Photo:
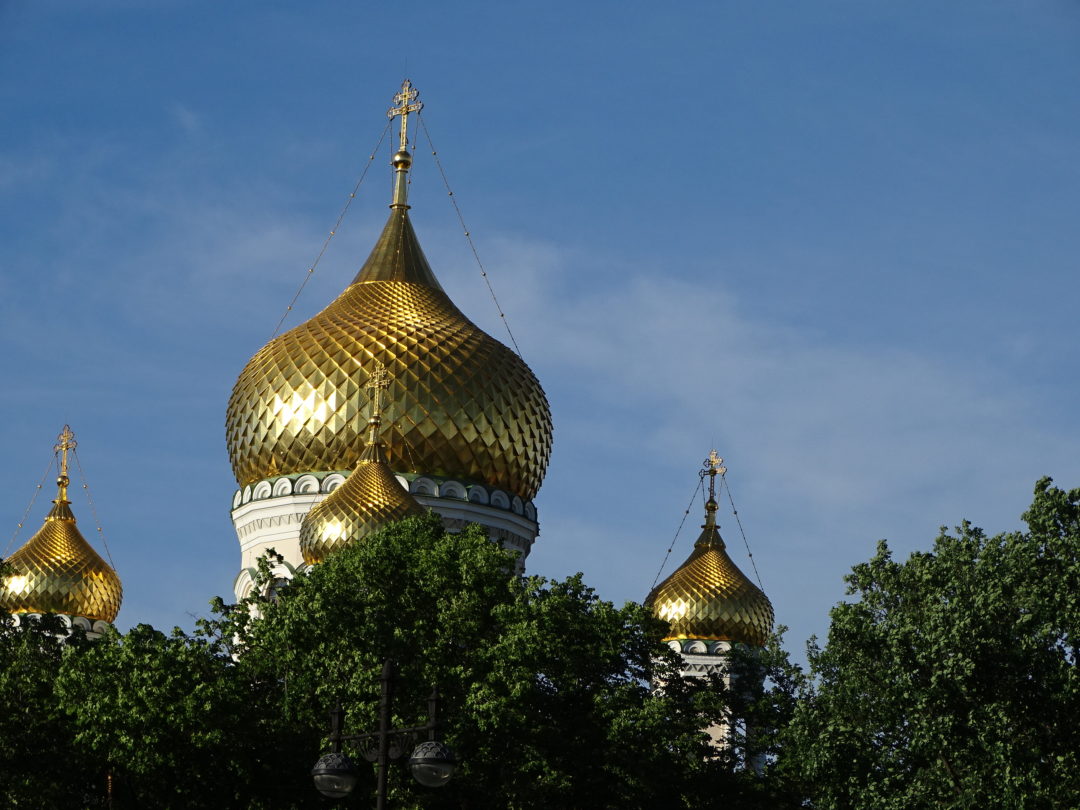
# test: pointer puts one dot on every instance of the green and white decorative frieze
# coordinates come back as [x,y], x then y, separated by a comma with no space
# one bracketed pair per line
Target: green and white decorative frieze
[268,514]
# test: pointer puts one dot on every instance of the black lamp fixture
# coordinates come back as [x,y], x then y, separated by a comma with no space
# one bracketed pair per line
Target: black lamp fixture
[431,763]
[335,775]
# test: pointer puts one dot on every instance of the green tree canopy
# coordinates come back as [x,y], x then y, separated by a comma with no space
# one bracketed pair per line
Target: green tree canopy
[173,722]
[40,765]
[546,687]
[547,691]
[951,680]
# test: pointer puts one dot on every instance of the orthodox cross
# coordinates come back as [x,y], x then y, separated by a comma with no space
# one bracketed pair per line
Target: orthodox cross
[714,465]
[378,381]
[406,102]
[64,442]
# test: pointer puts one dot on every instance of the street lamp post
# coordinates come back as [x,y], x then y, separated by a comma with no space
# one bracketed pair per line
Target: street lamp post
[431,763]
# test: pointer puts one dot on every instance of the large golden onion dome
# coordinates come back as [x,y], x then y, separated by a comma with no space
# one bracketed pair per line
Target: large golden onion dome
[462,404]
[57,571]
[709,598]
[370,498]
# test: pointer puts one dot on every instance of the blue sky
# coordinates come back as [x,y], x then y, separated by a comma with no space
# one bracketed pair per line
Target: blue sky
[837,241]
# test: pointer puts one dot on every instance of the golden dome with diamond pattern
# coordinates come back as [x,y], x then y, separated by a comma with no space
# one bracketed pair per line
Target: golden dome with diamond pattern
[462,404]
[370,498]
[56,570]
[708,597]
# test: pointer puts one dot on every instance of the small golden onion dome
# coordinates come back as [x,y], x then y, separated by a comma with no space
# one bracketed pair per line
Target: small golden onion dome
[370,498]
[709,598]
[57,571]
[462,404]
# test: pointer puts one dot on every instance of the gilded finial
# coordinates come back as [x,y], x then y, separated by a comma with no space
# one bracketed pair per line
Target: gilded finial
[714,466]
[379,378]
[64,443]
[378,381]
[405,102]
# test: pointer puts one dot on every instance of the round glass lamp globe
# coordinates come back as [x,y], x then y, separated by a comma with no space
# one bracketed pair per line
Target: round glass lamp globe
[334,776]
[432,764]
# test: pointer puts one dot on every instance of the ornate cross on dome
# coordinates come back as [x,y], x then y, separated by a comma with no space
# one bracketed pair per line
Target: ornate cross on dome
[406,102]
[64,442]
[379,378]
[714,465]
[378,381]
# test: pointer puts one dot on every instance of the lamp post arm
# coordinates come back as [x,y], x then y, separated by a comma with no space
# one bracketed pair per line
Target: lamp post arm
[433,713]
[403,733]
[385,704]
[336,717]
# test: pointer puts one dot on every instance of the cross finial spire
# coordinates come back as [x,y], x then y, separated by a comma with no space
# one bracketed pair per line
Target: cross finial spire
[64,443]
[405,102]
[380,377]
[714,466]
[378,381]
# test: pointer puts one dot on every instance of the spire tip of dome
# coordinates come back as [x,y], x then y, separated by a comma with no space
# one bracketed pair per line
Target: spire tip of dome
[65,442]
[713,466]
[405,102]
[378,381]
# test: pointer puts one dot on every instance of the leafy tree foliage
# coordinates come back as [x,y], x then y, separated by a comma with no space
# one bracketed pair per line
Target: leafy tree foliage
[545,686]
[766,690]
[951,681]
[546,692]
[140,720]
[173,722]
[39,764]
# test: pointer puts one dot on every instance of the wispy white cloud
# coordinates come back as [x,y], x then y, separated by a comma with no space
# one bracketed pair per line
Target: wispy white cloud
[832,444]
[18,171]
[186,118]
